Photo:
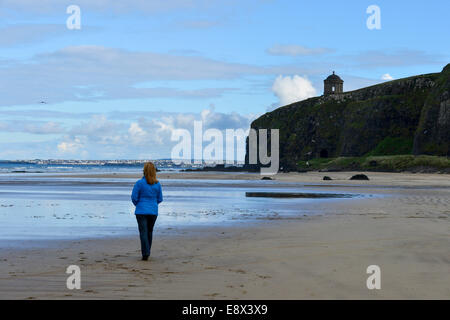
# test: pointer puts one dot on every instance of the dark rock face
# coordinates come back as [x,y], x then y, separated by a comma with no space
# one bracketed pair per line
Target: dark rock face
[359,177]
[327,178]
[266,178]
[410,115]
[433,133]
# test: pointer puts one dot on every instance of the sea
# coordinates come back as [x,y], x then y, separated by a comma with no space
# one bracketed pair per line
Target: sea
[42,202]
[38,166]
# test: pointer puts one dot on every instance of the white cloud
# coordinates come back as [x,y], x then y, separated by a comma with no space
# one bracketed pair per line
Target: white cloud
[222,121]
[95,72]
[387,77]
[295,50]
[70,146]
[137,134]
[97,126]
[292,89]
[103,138]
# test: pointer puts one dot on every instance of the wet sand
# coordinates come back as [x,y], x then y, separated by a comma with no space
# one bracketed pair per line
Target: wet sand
[323,256]
[383,178]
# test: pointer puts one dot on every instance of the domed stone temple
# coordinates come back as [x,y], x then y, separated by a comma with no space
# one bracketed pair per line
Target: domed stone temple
[333,84]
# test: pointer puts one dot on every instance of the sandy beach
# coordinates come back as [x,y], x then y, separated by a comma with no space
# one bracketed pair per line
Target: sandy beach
[323,256]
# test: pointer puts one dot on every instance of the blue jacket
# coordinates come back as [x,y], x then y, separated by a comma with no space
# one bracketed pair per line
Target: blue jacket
[146,197]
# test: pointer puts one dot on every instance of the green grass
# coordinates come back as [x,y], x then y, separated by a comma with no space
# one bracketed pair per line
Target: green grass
[378,163]
[393,146]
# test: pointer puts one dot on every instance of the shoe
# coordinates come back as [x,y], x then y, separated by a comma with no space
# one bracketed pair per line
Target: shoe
[144,258]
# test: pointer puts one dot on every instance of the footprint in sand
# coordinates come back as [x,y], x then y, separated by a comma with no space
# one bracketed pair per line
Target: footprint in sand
[90,291]
[238,271]
[211,294]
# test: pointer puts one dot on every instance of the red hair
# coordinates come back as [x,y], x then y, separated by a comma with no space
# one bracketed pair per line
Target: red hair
[150,173]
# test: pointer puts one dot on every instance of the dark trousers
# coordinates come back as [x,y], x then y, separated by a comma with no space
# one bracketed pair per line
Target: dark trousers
[146,222]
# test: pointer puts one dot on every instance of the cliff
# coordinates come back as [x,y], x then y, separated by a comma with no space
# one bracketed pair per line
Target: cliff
[404,116]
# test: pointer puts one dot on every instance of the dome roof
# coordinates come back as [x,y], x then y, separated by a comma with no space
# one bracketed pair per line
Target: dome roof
[333,77]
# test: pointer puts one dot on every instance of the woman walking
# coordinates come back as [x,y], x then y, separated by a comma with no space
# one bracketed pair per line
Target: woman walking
[146,196]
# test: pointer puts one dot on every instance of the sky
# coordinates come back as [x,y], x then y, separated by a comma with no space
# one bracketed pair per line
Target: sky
[138,70]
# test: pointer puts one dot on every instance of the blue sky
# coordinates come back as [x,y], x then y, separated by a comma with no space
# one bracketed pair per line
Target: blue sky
[137,70]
